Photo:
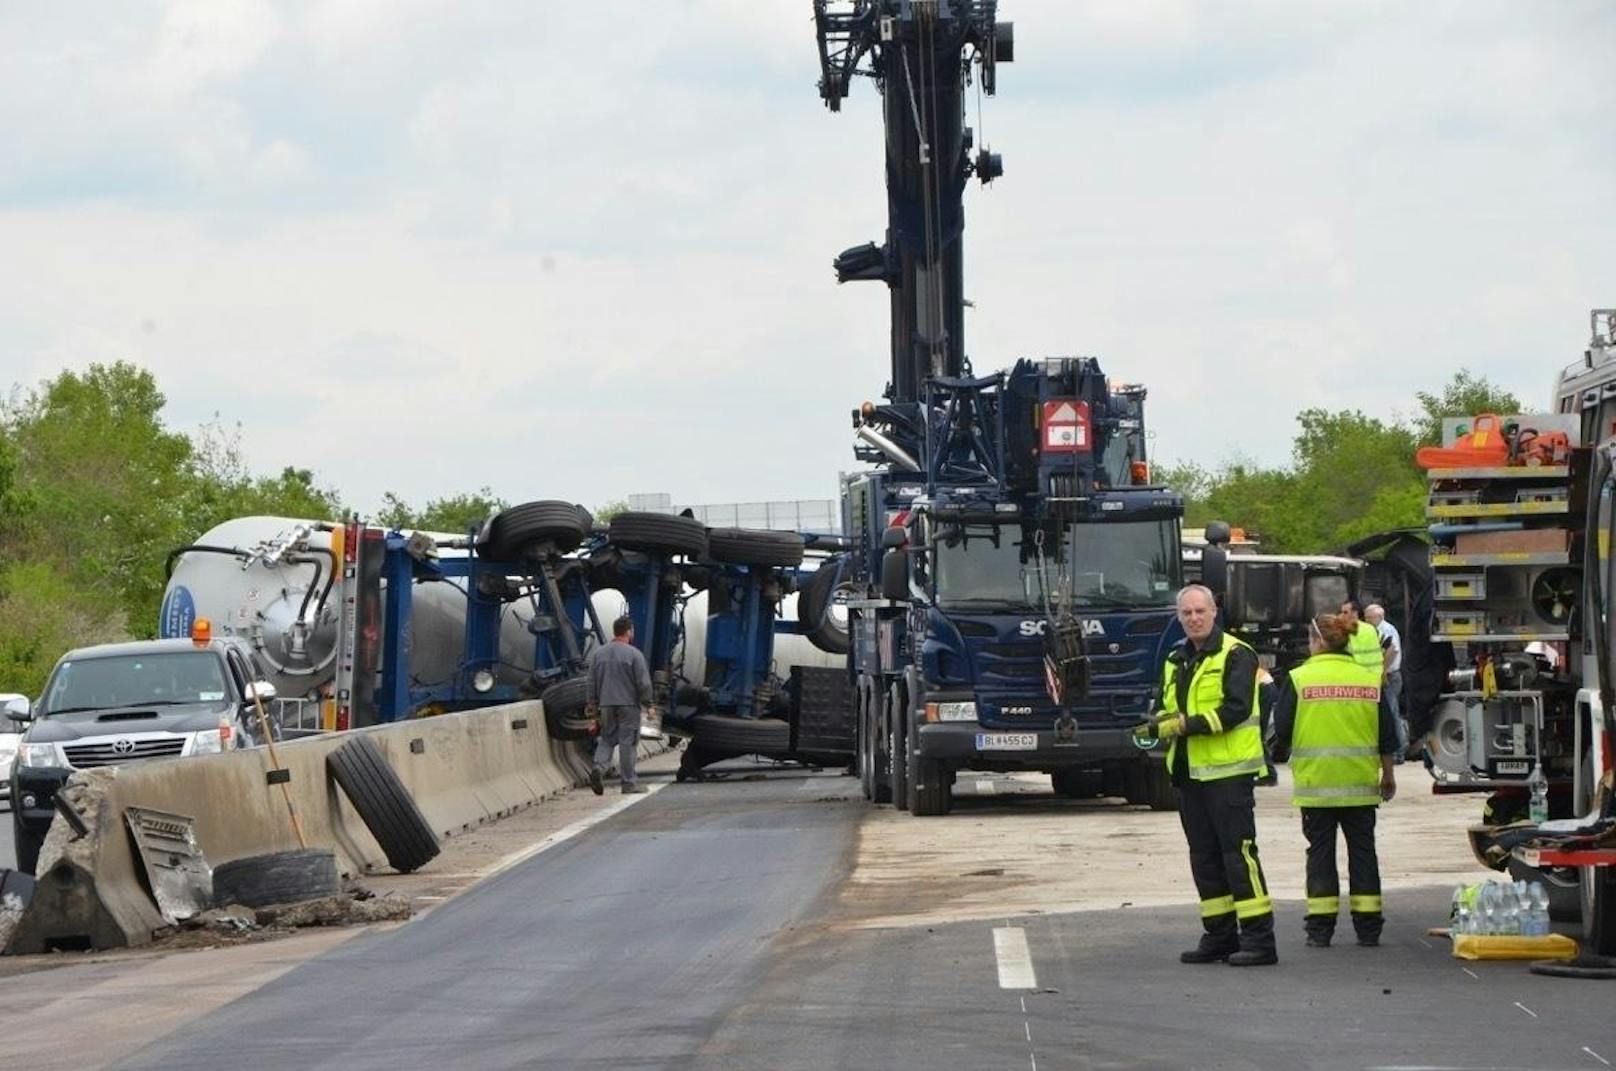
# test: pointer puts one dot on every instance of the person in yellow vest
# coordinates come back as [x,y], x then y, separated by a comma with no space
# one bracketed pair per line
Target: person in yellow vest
[1209,715]
[1364,642]
[1334,725]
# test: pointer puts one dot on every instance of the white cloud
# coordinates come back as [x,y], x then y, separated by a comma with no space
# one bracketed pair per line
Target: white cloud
[585,251]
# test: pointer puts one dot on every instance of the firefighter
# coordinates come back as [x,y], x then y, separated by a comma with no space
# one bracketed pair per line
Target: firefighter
[1215,752]
[1364,642]
[1334,724]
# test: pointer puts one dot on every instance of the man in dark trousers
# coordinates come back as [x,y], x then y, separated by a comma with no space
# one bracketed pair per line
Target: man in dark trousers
[619,690]
[1209,714]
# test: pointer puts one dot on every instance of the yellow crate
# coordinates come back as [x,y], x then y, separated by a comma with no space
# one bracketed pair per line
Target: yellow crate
[1509,946]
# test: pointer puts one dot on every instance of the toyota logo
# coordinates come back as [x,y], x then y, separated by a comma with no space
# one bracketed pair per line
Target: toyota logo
[123,746]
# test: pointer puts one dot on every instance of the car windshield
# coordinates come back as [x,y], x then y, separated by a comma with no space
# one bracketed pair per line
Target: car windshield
[134,680]
[1132,564]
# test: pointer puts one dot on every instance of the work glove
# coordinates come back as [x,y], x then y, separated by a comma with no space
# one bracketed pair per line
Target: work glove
[1165,727]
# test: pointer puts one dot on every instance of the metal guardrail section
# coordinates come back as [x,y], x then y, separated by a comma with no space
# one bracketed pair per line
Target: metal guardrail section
[181,882]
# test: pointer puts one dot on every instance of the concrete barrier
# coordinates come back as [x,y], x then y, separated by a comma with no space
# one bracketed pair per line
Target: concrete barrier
[463,770]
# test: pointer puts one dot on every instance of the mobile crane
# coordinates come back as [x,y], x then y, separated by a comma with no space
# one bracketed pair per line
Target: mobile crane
[1011,570]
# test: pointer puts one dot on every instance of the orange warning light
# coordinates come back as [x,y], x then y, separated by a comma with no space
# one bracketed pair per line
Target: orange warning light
[1140,470]
[201,631]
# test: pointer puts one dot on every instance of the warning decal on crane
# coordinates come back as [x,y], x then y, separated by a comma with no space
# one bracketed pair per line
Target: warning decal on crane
[1066,427]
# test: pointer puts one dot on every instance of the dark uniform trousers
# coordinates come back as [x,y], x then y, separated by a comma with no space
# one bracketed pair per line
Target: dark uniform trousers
[1363,870]
[1221,827]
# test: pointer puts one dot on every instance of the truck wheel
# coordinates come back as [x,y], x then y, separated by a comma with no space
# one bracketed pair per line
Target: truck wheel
[815,611]
[754,546]
[25,843]
[659,533]
[898,748]
[930,787]
[1599,908]
[1160,792]
[743,736]
[385,805]
[276,878]
[520,530]
[1078,784]
[876,742]
[866,764]
[564,703]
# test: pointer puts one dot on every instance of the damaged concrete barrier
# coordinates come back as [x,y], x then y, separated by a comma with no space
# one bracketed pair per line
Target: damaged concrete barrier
[462,769]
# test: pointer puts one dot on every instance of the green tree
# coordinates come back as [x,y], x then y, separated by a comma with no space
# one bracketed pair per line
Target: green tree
[1466,394]
[609,509]
[455,513]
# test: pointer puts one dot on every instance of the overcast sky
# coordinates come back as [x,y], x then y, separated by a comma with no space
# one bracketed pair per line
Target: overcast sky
[581,250]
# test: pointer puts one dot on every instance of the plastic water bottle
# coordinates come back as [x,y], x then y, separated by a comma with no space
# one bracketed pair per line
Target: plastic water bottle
[1538,785]
[1459,917]
[1539,912]
[1487,906]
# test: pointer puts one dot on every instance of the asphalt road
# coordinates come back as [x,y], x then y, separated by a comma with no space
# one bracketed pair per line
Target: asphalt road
[701,929]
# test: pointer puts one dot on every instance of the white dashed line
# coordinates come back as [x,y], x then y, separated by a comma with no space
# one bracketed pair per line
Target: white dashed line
[1525,1009]
[1596,1056]
[1023,1005]
[1028,1027]
[1015,958]
[1471,973]
[1034,1058]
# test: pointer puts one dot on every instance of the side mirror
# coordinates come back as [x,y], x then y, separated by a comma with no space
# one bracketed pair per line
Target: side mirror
[262,691]
[16,707]
[893,537]
[895,574]
[1218,533]
[1215,570]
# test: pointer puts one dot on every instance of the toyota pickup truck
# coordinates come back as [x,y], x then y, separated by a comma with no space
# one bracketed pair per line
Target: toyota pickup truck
[128,702]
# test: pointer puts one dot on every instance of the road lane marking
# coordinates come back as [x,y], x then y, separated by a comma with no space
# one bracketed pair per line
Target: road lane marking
[1014,957]
[566,833]
[1525,1009]
[1023,1005]
[1471,973]
[1028,1027]
[1596,1056]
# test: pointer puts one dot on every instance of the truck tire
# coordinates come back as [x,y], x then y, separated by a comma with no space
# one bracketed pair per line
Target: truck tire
[930,787]
[25,844]
[754,546]
[898,747]
[519,531]
[861,739]
[1078,784]
[564,703]
[384,804]
[1599,909]
[875,741]
[819,625]
[743,736]
[659,533]
[276,878]
[1160,793]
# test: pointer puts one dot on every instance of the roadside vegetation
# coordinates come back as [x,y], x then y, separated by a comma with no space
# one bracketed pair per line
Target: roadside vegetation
[96,489]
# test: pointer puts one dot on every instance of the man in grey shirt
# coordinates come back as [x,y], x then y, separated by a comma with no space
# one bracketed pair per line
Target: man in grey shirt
[619,689]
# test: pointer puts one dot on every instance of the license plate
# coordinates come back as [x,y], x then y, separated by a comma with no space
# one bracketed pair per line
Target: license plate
[1007,741]
[1507,767]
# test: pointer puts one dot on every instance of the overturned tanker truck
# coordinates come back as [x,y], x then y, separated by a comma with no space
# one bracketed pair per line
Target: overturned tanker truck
[355,624]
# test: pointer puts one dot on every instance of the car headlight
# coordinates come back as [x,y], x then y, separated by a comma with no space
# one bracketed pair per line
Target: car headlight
[965,711]
[39,755]
[207,742]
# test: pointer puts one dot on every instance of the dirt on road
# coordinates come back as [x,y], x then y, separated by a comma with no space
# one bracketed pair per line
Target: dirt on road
[1012,847]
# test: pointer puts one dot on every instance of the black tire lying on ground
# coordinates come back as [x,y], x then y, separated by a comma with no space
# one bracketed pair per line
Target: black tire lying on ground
[744,736]
[754,546]
[820,626]
[564,715]
[384,804]
[520,530]
[276,878]
[659,533]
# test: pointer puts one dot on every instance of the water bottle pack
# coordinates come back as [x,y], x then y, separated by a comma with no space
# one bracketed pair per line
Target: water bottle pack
[1517,909]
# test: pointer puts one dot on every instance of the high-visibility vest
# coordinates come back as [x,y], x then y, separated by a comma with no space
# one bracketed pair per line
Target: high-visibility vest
[1364,647]
[1218,754]
[1335,744]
